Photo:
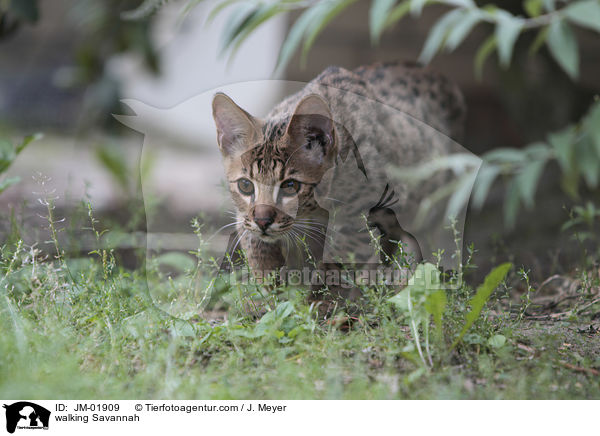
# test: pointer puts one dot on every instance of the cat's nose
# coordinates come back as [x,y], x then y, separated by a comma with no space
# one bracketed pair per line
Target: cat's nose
[264,216]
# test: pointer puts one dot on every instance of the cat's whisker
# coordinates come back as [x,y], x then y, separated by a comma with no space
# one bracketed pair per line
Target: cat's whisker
[335,199]
[329,231]
[317,235]
[319,240]
[311,226]
[239,239]
[224,227]
[310,221]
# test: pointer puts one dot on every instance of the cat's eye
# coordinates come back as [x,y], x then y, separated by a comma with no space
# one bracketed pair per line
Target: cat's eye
[245,186]
[289,187]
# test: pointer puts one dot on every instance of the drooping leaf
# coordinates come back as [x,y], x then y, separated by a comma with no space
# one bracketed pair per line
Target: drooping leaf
[485,49]
[332,8]
[463,28]
[460,197]
[7,154]
[591,124]
[397,13]
[219,8]
[236,21]
[508,28]
[296,34]
[7,183]
[484,291]
[262,14]
[585,13]
[505,155]
[378,15]
[416,6]
[563,47]
[485,178]
[527,180]
[588,161]
[539,41]
[562,143]
[28,140]
[438,33]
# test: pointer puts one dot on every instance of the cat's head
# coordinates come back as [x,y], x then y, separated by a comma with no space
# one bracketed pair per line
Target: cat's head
[273,167]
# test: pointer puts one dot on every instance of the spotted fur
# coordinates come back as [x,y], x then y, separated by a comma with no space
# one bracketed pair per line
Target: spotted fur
[336,137]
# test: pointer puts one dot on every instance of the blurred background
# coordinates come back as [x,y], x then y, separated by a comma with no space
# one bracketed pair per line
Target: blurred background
[67,66]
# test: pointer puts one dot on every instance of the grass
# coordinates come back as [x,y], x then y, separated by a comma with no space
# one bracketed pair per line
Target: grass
[83,326]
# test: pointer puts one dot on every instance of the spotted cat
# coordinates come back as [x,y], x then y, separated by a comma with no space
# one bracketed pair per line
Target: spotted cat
[310,182]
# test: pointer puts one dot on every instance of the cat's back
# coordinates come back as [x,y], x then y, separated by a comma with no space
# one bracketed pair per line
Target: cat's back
[407,88]
[425,95]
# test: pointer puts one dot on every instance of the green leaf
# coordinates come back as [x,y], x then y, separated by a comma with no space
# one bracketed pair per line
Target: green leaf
[485,178]
[505,155]
[298,31]
[563,47]
[588,161]
[219,8]
[591,125]
[528,179]
[484,291]
[485,49]
[332,8]
[7,183]
[7,154]
[562,144]
[435,305]
[539,41]
[424,281]
[533,7]
[437,34]
[508,28]
[416,7]
[295,35]
[463,28]
[397,13]
[460,197]
[28,140]
[260,16]
[236,21]
[585,13]
[378,14]
[497,341]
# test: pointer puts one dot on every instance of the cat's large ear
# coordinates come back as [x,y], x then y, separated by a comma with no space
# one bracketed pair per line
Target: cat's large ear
[311,127]
[236,128]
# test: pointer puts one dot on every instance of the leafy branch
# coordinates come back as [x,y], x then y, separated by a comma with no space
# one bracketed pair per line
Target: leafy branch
[576,150]
[553,20]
